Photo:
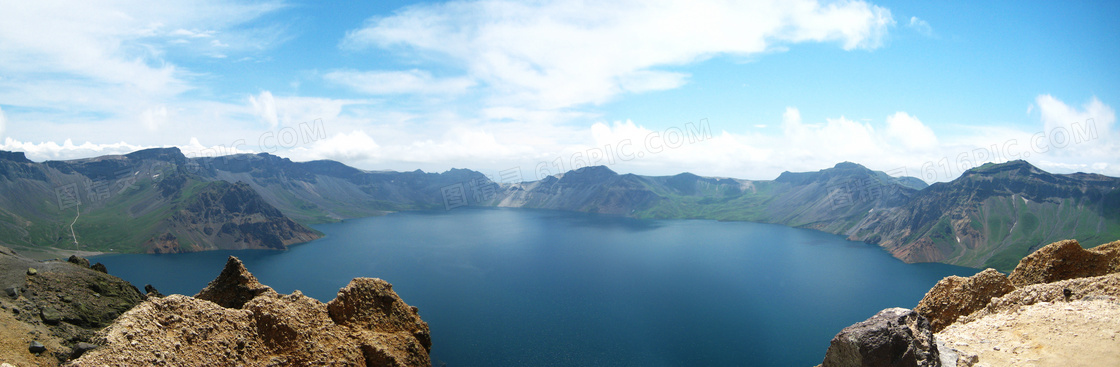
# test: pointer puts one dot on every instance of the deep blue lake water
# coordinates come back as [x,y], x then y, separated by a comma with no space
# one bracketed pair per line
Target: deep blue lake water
[515,287]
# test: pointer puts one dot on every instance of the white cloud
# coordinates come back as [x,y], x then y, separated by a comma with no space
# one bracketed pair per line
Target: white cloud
[290,111]
[67,150]
[265,106]
[910,131]
[532,141]
[107,43]
[62,59]
[396,82]
[154,117]
[1083,137]
[194,149]
[1055,114]
[354,146]
[559,54]
[192,34]
[920,26]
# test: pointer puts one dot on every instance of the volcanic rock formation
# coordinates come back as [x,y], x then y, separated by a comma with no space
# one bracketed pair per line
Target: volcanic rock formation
[1059,307]
[237,321]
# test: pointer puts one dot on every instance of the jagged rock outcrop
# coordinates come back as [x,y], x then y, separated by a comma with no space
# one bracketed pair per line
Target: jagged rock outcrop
[150,291]
[234,286]
[78,260]
[1101,287]
[1066,260]
[371,308]
[1059,307]
[955,296]
[893,337]
[237,321]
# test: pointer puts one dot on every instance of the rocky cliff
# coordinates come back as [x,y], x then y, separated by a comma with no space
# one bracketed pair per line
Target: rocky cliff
[236,321]
[991,216]
[151,200]
[148,201]
[228,216]
[158,200]
[996,214]
[1059,307]
[589,189]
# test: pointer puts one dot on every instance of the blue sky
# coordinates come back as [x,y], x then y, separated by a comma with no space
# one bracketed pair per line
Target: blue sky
[923,89]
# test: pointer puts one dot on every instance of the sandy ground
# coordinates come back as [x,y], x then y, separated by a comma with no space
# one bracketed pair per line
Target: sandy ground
[15,336]
[1078,333]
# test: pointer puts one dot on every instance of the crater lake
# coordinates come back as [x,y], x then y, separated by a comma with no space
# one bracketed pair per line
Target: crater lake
[518,287]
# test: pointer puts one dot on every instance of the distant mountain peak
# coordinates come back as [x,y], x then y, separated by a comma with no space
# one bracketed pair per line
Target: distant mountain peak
[19,157]
[686,176]
[162,154]
[848,165]
[824,175]
[596,170]
[1018,166]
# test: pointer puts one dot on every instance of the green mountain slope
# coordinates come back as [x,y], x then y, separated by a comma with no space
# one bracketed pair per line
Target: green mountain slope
[991,216]
[128,203]
[996,214]
[327,191]
[158,200]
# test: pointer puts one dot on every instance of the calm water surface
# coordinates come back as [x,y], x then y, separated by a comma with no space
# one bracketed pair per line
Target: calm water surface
[517,287]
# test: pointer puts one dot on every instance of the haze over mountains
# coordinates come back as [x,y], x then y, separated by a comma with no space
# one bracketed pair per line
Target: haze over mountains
[158,200]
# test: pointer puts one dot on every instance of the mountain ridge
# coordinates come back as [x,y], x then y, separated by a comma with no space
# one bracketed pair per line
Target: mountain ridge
[958,222]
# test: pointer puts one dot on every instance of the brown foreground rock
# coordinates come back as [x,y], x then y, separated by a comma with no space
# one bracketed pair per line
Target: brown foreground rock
[236,321]
[955,296]
[1059,307]
[1102,287]
[1019,332]
[1066,260]
[234,286]
[893,337]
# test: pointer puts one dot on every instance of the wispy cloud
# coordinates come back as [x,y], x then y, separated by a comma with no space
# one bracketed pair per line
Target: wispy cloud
[398,82]
[105,59]
[290,110]
[486,85]
[920,26]
[3,121]
[560,54]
